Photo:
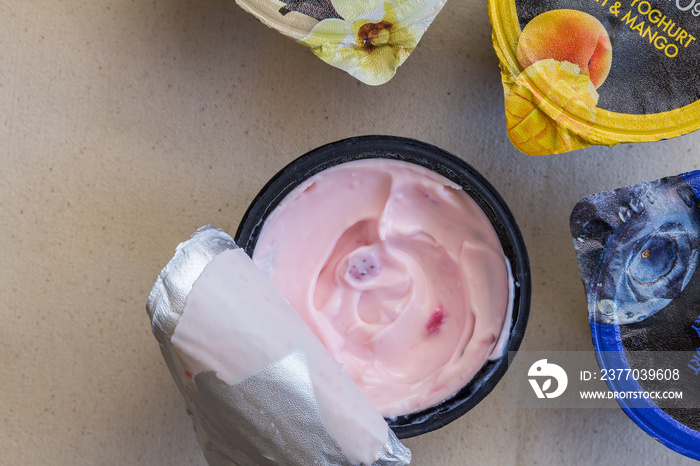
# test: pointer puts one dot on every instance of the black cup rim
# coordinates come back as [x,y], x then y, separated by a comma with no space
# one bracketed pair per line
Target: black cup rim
[454,169]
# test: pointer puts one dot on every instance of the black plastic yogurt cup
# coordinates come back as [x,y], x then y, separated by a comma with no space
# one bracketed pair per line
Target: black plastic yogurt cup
[454,169]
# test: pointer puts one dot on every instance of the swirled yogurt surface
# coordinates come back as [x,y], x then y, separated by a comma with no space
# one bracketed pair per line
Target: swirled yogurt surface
[398,272]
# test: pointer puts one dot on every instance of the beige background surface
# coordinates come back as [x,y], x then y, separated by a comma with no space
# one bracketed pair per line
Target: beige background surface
[126,125]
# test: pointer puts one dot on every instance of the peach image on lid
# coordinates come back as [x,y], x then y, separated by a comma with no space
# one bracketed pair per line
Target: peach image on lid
[599,73]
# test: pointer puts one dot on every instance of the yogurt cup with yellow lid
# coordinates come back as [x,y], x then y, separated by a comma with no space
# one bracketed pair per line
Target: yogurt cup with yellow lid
[602,72]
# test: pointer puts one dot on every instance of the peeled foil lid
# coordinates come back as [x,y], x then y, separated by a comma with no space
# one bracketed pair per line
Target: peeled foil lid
[601,72]
[369,39]
[269,418]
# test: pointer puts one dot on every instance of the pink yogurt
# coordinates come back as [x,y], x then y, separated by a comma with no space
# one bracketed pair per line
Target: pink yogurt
[398,272]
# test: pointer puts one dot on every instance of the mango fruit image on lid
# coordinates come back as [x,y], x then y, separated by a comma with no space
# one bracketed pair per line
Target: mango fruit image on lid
[603,72]
[566,55]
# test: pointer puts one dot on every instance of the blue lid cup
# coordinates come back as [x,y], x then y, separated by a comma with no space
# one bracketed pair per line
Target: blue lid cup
[638,250]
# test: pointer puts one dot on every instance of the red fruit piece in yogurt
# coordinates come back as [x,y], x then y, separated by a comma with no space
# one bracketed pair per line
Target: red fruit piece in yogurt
[364,264]
[437,318]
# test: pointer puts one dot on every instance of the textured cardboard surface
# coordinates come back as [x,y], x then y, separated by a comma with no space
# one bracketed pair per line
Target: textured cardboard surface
[127,125]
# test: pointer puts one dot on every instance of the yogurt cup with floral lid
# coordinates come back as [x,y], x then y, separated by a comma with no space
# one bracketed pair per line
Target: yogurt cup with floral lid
[601,72]
[369,39]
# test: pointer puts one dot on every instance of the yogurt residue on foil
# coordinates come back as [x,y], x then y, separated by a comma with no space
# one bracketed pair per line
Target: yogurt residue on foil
[398,272]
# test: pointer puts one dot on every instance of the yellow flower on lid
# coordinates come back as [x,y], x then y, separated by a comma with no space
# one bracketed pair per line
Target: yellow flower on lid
[374,37]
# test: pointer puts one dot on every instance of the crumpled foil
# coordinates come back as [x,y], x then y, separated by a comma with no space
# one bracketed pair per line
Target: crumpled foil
[270,418]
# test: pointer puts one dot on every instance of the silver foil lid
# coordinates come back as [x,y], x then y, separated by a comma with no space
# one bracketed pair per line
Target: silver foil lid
[272,417]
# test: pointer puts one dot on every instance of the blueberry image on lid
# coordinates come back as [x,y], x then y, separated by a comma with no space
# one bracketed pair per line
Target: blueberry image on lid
[651,249]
